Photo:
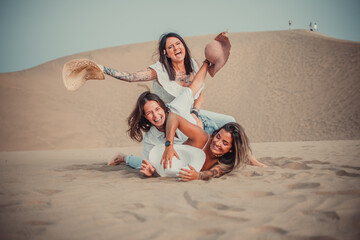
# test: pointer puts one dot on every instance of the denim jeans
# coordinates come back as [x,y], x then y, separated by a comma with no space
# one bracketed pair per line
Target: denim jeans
[209,125]
[213,120]
[134,161]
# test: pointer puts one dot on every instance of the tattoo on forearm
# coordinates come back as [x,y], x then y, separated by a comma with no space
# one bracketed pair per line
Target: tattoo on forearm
[206,175]
[129,77]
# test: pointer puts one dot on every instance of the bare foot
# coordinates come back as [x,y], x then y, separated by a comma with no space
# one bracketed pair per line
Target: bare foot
[117,159]
[147,169]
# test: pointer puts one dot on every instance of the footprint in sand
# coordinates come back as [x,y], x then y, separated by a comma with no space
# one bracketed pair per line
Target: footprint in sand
[322,215]
[206,208]
[287,175]
[272,229]
[250,173]
[48,192]
[129,216]
[346,174]
[299,237]
[315,162]
[296,166]
[211,233]
[351,167]
[304,185]
[260,194]
[290,163]
[210,205]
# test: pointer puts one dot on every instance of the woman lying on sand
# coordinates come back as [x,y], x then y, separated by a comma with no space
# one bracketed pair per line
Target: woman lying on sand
[225,150]
[151,116]
[174,71]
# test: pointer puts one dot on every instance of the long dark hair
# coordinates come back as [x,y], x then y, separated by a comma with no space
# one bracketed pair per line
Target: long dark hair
[137,121]
[240,152]
[167,61]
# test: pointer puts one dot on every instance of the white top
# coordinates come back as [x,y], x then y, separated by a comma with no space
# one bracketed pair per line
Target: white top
[181,105]
[169,89]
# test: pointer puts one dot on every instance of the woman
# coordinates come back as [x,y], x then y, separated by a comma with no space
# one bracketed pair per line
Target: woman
[171,74]
[151,116]
[225,150]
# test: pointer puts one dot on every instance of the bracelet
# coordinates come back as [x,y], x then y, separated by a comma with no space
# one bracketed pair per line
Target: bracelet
[206,61]
[195,109]
[195,112]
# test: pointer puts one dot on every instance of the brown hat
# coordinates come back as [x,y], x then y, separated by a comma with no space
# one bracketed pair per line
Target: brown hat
[217,52]
[76,72]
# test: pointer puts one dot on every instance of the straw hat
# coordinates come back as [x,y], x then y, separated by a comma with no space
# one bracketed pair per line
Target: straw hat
[217,52]
[76,72]
[189,155]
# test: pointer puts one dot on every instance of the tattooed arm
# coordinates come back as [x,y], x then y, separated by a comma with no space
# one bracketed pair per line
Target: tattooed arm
[187,175]
[145,75]
[208,174]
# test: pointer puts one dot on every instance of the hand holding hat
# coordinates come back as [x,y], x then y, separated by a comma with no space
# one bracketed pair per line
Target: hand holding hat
[76,72]
[217,52]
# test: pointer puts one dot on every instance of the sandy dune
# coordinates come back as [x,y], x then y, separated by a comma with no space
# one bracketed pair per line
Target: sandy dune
[297,93]
[281,86]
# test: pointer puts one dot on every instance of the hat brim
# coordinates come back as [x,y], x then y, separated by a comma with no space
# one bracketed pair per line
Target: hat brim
[217,52]
[76,72]
[188,155]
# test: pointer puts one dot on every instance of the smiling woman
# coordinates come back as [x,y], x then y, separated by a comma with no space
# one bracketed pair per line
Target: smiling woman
[178,82]
[226,149]
[173,72]
[154,114]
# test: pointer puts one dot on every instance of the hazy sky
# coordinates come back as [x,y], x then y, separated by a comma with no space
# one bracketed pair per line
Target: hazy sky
[33,32]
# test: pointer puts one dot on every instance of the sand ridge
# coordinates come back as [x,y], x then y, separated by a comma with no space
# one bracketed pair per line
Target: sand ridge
[280,85]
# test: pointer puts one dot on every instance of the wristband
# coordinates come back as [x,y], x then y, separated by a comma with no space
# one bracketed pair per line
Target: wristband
[195,111]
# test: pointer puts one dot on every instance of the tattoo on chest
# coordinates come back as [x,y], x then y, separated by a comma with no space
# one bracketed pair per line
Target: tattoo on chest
[182,77]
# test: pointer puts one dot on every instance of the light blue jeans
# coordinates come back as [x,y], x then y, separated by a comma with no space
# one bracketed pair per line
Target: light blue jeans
[213,121]
[134,161]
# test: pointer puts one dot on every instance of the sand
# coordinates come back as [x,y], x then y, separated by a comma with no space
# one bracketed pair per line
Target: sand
[295,92]
[310,191]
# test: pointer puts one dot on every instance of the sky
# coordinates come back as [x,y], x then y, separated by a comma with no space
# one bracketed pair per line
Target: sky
[33,32]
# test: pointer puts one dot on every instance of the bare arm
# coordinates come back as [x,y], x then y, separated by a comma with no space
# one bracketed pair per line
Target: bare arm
[144,75]
[187,175]
[199,102]
[196,136]
[199,78]
[208,174]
